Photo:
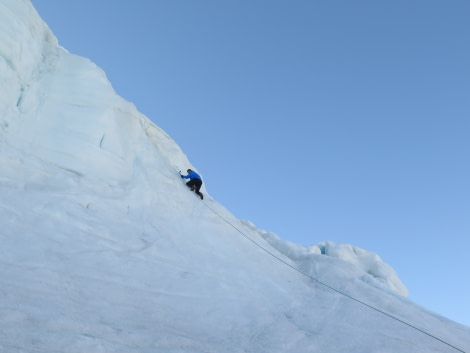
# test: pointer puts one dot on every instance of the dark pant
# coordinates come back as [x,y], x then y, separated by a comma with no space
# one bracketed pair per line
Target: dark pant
[195,183]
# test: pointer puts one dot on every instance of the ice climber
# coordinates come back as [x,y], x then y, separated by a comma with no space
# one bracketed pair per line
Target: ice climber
[195,182]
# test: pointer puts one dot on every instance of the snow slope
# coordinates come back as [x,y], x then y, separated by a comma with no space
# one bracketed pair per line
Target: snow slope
[105,250]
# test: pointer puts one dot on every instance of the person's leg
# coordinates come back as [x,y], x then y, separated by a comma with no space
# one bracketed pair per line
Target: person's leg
[195,185]
[198,184]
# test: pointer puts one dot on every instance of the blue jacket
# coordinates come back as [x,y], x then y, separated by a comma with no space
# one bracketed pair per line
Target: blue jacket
[192,175]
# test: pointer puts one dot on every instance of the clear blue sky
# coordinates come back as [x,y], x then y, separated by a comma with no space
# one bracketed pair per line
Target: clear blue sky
[346,121]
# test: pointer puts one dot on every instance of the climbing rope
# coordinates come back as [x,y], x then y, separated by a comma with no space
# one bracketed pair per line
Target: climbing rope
[330,287]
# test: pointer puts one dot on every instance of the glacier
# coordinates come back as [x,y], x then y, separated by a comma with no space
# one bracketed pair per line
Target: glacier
[105,250]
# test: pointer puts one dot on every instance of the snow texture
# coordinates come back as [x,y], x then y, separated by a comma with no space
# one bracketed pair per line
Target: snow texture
[104,249]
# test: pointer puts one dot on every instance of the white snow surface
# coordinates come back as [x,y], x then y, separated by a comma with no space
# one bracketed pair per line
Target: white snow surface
[104,249]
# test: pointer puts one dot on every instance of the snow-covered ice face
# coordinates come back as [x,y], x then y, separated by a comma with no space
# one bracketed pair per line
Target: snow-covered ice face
[103,249]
